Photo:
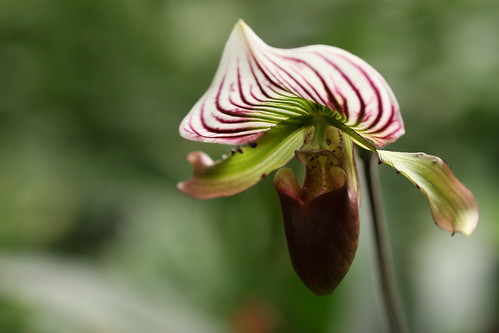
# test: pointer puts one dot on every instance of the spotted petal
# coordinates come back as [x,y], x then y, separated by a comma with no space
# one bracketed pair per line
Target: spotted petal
[247,165]
[453,206]
[257,86]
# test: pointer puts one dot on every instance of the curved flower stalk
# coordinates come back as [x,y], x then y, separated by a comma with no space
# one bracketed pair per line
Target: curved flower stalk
[313,103]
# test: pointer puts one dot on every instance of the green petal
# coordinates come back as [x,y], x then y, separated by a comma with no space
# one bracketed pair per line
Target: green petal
[248,164]
[453,206]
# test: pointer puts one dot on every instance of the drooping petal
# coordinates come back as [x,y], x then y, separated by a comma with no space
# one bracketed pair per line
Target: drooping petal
[247,165]
[453,206]
[321,218]
[257,86]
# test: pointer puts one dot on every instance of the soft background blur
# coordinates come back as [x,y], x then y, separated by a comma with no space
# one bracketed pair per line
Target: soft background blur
[94,236]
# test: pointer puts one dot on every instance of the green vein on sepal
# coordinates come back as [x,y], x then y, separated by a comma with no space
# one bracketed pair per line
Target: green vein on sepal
[359,139]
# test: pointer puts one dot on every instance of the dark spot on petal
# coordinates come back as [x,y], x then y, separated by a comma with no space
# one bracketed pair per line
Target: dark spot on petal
[453,233]
[328,141]
[263,175]
[232,151]
[418,187]
[239,150]
[397,172]
[252,144]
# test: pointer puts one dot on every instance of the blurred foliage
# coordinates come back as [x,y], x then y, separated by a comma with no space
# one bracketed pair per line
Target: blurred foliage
[95,238]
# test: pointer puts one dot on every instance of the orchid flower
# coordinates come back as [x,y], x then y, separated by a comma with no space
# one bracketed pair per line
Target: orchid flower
[314,103]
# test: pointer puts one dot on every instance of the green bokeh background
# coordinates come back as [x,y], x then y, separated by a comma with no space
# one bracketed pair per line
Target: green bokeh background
[94,236]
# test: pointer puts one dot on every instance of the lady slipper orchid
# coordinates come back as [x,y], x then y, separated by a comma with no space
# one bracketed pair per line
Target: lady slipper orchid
[315,103]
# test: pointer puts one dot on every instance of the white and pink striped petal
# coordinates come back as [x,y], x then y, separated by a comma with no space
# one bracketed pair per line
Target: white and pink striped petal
[257,86]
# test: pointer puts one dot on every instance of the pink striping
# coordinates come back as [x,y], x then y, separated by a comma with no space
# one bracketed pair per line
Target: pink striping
[253,75]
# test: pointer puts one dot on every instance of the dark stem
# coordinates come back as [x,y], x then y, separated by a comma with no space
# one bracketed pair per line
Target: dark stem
[385,269]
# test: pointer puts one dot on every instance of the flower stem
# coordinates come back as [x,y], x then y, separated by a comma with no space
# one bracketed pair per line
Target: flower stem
[387,280]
